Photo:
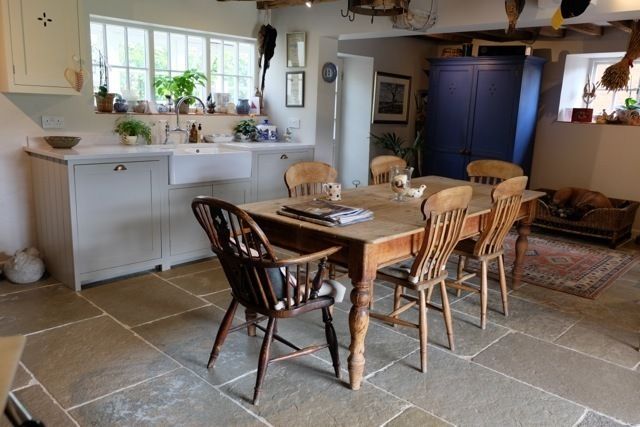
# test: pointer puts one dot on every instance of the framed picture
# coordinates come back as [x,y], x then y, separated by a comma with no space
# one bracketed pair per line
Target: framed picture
[391,98]
[295,89]
[296,54]
[582,115]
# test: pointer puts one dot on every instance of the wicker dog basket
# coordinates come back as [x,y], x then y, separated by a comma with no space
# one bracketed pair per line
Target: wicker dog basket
[613,224]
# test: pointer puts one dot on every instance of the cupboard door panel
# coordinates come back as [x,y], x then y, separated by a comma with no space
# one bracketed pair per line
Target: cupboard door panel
[271,169]
[186,234]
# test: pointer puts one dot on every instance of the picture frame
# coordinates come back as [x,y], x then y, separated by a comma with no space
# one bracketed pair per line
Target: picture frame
[296,50]
[581,115]
[295,89]
[391,98]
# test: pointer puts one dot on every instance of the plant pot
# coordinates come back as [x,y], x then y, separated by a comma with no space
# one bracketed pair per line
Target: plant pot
[628,117]
[184,107]
[104,104]
[121,107]
[128,139]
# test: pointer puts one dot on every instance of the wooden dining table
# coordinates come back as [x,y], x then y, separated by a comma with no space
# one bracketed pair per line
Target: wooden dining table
[394,234]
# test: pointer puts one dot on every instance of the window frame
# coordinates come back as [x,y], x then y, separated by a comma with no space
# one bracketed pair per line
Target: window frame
[150,30]
[633,92]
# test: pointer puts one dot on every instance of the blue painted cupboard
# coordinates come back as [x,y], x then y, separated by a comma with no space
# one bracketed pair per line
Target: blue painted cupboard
[480,108]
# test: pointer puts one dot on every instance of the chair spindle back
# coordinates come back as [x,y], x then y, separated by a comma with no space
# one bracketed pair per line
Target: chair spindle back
[307,178]
[381,168]
[492,172]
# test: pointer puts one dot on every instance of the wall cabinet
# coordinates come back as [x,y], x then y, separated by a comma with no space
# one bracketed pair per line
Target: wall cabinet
[480,108]
[270,168]
[40,40]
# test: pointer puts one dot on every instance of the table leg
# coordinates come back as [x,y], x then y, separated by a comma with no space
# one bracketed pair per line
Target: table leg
[522,243]
[362,271]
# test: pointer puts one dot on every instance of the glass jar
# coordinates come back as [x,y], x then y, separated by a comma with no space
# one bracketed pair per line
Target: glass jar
[400,181]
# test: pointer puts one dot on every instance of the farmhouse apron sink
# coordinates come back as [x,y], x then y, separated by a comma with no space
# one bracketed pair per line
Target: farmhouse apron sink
[192,164]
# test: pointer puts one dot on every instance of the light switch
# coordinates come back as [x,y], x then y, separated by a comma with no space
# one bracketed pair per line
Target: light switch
[294,123]
[52,122]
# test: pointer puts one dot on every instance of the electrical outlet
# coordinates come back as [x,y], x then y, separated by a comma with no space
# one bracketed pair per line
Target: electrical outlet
[294,123]
[52,122]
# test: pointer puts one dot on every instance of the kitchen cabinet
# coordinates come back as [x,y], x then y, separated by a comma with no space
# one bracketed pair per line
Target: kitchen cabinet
[480,108]
[40,42]
[270,168]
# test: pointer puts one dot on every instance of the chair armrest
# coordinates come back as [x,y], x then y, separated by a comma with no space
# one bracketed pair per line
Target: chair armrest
[303,259]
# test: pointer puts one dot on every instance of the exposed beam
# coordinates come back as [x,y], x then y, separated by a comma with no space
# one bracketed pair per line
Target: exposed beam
[275,4]
[588,29]
[452,37]
[625,26]
[552,33]
[500,36]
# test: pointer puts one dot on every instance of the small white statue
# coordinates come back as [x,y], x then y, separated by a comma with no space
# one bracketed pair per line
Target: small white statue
[415,192]
[25,267]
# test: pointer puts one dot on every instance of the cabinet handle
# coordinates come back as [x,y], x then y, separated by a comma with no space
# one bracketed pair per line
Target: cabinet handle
[120,168]
[284,157]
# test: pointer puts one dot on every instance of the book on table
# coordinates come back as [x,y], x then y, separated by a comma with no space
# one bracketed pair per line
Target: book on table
[324,212]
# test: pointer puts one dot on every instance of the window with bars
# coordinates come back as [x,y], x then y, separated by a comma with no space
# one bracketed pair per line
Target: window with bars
[137,53]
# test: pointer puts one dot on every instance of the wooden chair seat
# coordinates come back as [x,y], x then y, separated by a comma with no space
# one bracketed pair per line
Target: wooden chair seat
[446,213]
[466,248]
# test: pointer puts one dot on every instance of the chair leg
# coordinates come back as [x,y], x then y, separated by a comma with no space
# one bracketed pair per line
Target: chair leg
[429,293]
[424,330]
[484,294]
[250,315]
[446,311]
[503,286]
[264,358]
[461,260]
[222,332]
[332,271]
[332,340]
[397,300]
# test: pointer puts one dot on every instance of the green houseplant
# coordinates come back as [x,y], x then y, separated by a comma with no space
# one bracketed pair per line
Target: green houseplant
[130,129]
[104,98]
[629,113]
[392,142]
[180,86]
[246,129]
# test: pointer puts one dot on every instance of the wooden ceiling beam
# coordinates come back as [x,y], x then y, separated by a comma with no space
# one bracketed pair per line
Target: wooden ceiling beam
[500,36]
[588,29]
[452,37]
[552,33]
[625,26]
[275,4]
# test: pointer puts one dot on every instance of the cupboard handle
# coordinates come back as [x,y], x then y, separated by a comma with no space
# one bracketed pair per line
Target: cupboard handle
[284,157]
[120,168]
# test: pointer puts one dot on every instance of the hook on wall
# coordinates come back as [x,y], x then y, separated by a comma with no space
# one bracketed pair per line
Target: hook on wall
[349,15]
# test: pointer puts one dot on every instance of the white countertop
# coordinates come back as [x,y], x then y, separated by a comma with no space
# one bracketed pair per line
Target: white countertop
[260,146]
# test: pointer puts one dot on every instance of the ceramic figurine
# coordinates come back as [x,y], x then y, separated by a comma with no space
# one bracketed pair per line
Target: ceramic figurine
[415,193]
[25,267]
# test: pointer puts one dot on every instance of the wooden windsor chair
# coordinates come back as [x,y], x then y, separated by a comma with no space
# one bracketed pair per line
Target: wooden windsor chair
[446,212]
[506,197]
[492,171]
[263,284]
[381,168]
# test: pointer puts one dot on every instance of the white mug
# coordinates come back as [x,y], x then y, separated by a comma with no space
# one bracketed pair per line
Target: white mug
[333,191]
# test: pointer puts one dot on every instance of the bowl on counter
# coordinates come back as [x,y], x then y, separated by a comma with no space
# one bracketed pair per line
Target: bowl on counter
[218,137]
[62,141]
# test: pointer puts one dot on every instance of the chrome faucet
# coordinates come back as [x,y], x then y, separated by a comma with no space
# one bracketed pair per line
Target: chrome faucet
[183,99]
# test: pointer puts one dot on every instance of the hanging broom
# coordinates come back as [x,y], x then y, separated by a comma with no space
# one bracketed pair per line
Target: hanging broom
[616,76]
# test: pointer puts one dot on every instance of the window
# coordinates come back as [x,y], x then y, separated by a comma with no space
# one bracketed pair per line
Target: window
[136,53]
[606,100]
[125,49]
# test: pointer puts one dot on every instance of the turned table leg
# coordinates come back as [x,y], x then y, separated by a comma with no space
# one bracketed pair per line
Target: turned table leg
[522,243]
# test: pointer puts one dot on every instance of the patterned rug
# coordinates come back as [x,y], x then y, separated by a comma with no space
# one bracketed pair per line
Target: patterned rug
[574,268]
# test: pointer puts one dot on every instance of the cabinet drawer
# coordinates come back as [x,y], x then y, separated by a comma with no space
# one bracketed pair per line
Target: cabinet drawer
[118,214]
[271,169]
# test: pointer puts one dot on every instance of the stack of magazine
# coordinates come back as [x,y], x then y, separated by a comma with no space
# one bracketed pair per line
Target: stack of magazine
[326,213]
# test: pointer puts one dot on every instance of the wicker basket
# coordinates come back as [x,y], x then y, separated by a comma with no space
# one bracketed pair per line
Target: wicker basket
[104,104]
[613,224]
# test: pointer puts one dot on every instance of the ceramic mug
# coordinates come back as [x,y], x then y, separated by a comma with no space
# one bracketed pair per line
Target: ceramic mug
[333,191]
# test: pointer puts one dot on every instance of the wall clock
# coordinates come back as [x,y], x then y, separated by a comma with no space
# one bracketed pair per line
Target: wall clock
[329,72]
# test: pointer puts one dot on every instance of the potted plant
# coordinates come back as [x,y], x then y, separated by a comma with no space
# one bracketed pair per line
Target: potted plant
[180,86]
[392,142]
[629,113]
[246,130]
[104,98]
[131,129]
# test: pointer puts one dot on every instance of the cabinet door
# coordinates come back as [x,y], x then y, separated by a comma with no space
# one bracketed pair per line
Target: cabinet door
[495,111]
[271,168]
[118,214]
[185,233]
[44,42]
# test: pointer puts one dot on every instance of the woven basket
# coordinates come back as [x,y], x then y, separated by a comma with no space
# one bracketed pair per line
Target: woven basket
[104,104]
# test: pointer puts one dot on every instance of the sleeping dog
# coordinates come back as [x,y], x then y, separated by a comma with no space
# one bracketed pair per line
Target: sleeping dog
[573,202]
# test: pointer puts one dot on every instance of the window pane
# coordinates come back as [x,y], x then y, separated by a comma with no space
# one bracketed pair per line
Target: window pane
[96,78]
[97,41]
[230,88]
[115,45]
[137,39]
[216,84]
[178,52]
[230,59]
[117,80]
[196,53]
[244,88]
[161,50]
[245,59]
[139,83]
[216,56]
[602,101]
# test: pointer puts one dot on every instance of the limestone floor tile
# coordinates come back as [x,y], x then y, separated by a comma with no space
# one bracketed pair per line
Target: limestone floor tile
[382,346]
[6,287]
[189,337]
[469,337]
[467,394]
[178,398]
[21,379]
[141,299]
[190,268]
[596,420]
[524,316]
[557,300]
[609,389]
[618,306]
[202,283]
[414,417]
[305,392]
[222,299]
[41,407]
[88,359]
[43,308]
[614,344]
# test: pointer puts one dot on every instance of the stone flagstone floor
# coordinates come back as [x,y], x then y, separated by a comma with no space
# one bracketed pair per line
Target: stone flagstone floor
[133,352]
